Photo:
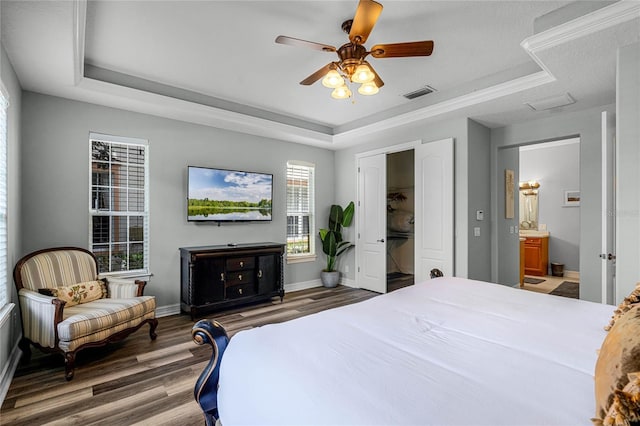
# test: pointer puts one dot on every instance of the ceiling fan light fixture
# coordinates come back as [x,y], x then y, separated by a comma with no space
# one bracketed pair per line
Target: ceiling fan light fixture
[333,80]
[341,92]
[362,74]
[369,88]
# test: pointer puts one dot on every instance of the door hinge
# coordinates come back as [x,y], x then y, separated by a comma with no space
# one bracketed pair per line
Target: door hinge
[358,169]
[358,269]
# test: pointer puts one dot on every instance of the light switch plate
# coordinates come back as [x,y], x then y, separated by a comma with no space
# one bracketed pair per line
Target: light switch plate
[479,215]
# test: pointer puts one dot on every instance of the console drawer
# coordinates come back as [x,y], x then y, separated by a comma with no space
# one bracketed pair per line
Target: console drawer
[240,277]
[240,263]
[242,290]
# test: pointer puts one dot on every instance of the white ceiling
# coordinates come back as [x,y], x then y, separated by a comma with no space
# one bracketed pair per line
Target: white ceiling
[216,62]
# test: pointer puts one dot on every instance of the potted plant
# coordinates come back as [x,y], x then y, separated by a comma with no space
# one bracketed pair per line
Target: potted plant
[332,243]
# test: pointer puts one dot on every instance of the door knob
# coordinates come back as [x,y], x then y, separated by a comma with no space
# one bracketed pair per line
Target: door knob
[381,240]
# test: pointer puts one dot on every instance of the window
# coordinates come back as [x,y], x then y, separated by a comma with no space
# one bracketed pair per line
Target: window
[4,281]
[300,211]
[119,209]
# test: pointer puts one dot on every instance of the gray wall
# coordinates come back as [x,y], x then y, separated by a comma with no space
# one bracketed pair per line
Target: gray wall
[479,182]
[628,145]
[11,329]
[585,124]
[506,238]
[56,172]
[345,163]
[556,168]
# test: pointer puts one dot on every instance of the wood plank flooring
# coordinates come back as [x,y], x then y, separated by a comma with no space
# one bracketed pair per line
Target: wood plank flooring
[139,381]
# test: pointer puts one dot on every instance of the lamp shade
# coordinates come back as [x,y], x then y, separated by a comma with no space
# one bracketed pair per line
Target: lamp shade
[369,88]
[341,92]
[362,74]
[332,80]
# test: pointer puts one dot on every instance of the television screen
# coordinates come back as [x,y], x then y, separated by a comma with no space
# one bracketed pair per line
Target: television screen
[219,195]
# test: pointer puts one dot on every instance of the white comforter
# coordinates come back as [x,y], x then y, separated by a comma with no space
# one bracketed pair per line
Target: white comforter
[447,351]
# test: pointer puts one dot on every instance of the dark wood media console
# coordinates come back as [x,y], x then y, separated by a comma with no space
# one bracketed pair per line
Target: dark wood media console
[222,276]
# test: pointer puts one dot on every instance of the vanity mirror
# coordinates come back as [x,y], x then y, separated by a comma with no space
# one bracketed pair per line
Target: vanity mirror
[529,205]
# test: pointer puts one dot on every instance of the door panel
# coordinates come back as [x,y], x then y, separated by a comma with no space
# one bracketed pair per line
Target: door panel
[434,208]
[372,223]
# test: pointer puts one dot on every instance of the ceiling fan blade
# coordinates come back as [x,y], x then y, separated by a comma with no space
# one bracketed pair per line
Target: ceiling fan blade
[304,43]
[318,74]
[365,18]
[377,80]
[400,50]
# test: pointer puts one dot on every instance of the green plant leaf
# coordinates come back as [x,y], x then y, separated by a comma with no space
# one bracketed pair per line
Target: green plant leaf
[335,218]
[348,214]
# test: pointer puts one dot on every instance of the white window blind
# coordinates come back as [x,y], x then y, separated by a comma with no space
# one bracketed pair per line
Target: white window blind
[4,279]
[119,210]
[300,209]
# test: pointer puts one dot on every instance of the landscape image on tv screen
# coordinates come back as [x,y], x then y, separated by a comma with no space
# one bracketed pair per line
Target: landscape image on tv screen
[229,195]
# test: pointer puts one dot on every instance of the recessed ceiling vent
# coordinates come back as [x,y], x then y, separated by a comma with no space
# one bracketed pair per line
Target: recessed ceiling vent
[551,102]
[420,92]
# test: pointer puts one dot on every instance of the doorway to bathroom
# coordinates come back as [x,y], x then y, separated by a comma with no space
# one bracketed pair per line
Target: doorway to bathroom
[549,217]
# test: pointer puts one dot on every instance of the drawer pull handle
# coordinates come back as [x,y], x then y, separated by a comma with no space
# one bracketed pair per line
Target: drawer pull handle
[259,273]
[240,290]
[241,264]
[240,277]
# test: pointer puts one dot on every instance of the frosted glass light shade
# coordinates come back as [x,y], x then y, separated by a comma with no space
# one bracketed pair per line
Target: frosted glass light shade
[362,74]
[332,80]
[368,89]
[341,92]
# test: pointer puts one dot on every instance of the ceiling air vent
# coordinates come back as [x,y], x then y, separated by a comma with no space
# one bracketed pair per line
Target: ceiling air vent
[420,92]
[551,102]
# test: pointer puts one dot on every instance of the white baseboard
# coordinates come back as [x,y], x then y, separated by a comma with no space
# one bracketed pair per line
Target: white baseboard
[165,311]
[572,274]
[302,285]
[348,282]
[10,370]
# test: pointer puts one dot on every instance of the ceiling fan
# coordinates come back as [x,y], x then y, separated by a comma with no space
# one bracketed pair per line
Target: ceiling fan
[351,64]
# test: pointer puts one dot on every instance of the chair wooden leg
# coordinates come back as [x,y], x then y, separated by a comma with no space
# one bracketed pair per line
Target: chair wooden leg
[152,328]
[25,347]
[69,365]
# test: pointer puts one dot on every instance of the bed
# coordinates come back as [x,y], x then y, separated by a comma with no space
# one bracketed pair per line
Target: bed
[448,351]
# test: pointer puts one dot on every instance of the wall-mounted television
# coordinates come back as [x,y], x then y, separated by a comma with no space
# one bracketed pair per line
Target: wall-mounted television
[220,195]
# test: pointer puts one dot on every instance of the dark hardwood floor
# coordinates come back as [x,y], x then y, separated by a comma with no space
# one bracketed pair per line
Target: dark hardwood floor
[144,382]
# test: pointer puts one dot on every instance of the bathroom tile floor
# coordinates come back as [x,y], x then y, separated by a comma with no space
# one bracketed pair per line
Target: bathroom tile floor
[549,284]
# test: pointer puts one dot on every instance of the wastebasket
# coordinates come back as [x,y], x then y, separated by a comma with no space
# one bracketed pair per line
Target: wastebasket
[557,269]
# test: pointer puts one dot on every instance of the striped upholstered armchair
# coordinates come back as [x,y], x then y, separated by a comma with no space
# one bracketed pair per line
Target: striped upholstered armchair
[66,307]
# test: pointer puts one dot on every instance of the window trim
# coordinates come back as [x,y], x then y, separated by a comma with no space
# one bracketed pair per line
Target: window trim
[146,269]
[5,293]
[312,255]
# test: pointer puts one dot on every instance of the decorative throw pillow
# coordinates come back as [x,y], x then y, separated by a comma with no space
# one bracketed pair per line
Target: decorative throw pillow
[625,409]
[624,306]
[78,293]
[617,388]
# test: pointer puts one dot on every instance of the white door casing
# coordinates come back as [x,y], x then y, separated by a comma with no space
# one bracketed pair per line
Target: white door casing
[607,254]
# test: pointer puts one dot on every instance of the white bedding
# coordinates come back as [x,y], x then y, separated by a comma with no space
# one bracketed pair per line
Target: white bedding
[447,351]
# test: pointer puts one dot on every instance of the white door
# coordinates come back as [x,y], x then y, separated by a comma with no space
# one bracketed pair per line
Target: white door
[372,223]
[434,208]
[608,217]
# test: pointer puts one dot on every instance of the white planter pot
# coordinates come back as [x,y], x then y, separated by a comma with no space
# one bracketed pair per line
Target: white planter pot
[330,278]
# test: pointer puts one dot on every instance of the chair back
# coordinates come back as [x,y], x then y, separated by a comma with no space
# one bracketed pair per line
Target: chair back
[55,267]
